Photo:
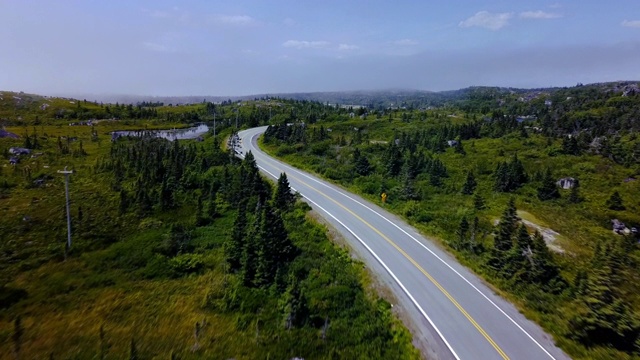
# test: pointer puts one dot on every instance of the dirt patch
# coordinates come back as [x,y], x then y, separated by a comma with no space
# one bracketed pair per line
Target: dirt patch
[550,236]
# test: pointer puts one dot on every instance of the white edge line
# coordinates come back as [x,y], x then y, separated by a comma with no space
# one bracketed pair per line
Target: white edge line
[425,247]
[382,263]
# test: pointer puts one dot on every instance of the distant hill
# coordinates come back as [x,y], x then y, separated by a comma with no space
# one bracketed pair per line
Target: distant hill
[373,99]
[370,98]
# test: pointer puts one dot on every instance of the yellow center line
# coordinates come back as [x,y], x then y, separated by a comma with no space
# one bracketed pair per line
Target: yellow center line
[422,270]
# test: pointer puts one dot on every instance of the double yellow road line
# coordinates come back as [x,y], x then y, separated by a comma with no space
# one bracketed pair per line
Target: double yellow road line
[422,270]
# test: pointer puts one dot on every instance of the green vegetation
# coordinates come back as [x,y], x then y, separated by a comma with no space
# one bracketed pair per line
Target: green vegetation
[451,170]
[179,249]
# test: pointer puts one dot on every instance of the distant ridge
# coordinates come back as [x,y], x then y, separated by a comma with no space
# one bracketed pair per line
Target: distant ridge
[373,98]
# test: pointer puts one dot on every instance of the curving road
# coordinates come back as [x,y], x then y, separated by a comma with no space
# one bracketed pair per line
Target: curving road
[449,307]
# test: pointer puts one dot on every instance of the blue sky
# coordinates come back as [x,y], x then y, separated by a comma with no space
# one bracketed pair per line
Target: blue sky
[250,47]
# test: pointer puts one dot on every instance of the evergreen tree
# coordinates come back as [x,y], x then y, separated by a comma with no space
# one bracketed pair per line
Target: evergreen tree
[294,304]
[475,228]
[615,202]
[517,174]
[470,184]
[411,166]
[461,234]
[459,148]
[275,248]
[361,164]
[249,260]
[523,240]
[548,189]
[574,195]
[509,176]
[393,160]
[545,271]
[478,202]
[233,248]
[501,177]
[506,227]
[212,210]
[603,317]
[570,145]
[408,191]
[283,199]
[200,218]
[124,202]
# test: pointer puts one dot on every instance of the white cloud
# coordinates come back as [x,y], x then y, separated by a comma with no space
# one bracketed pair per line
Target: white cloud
[301,44]
[238,20]
[539,15]
[487,20]
[631,23]
[347,47]
[405,42]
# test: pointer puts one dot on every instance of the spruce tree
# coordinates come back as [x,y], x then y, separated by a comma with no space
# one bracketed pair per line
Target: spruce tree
[200,218]
[544,268]
[517,174]
[294,304]
[475,228]
[574,195]
[249,260]
[507,226]
[233,248]
[523,239]
[478,202]
[548,189]
[470,184]
[461,234]
[615,202]
[393,160]
[501,177]
[361,163]
[283,199]
[212,210]
[459,148]
[281,249]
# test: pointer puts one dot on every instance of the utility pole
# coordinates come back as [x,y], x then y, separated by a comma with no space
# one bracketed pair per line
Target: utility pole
[66,190]
[214,124]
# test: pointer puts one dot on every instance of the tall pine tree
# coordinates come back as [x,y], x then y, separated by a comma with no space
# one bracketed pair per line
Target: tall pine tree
[283,199]
[470,184]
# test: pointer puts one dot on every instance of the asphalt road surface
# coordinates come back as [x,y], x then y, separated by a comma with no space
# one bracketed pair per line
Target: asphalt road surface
[458,315]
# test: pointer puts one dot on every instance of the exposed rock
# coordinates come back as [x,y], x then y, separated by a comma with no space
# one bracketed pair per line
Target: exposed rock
[549,236]
[619,227]
[566,183]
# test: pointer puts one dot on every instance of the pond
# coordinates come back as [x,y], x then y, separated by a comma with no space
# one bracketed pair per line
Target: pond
[170,134]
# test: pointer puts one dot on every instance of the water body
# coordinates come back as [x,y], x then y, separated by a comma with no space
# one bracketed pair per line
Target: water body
[171,134]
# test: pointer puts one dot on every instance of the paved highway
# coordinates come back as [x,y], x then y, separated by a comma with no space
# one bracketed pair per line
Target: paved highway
[447,303]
